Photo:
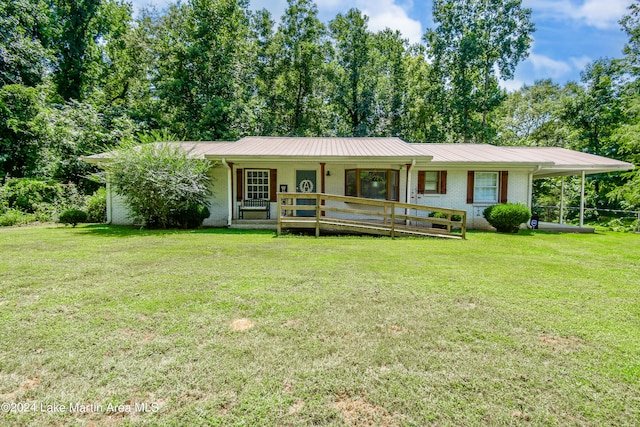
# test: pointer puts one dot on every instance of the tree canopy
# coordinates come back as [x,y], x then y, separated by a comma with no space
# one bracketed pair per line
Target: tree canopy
[76,77]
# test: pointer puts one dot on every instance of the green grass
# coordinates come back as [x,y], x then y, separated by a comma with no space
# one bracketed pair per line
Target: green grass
[534,328]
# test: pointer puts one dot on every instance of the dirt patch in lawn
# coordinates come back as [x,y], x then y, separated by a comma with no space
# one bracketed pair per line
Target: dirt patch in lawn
[296,406]
[28,384]
[242,325]
[559,343]
[359,412]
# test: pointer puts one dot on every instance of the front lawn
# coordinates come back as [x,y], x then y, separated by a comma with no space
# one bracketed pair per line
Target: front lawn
[107,325]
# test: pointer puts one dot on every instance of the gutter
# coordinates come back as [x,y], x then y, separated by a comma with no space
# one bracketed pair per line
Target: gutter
[229,193]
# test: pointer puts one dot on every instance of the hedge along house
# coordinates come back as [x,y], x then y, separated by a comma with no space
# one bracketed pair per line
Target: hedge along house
[468,177]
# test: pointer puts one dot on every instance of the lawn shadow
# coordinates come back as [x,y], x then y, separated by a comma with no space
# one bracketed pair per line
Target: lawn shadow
[107,230]
[523,232]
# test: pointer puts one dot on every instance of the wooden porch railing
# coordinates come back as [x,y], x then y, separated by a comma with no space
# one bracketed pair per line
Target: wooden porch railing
[332,212]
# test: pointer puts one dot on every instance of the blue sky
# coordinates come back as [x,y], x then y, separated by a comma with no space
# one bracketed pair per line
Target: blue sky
[569,33]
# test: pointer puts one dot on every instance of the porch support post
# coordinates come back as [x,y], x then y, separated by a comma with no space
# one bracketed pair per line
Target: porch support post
[530,195]
[561,201]
[229,191]
[232,180]
[582,199]
[322,186]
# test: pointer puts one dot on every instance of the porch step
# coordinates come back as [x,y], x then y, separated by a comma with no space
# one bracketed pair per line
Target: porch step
[253,224]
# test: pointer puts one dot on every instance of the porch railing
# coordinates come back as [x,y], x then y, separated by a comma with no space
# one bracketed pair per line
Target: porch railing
[332,212]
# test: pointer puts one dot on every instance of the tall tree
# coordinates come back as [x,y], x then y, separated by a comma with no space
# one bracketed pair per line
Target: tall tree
[25,38]
[353,74]
[198,50]
[19,139]
[301,51]
[476,43]
[532,116]
[596,112]
[391,93]
[631,25]
[597,109]
[85,28]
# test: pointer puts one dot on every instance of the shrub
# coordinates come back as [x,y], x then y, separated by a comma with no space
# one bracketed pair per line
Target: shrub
[15,217]
[27,195]
[191,217]
[160,182]
[506,218]
[97,206]
[73,217]
[44,199]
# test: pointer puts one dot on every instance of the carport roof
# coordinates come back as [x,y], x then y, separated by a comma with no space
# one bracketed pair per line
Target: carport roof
[568,162]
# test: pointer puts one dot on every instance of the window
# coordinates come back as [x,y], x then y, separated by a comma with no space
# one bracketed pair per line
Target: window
[432,182]
[381,184]
[257,184]
[485,189]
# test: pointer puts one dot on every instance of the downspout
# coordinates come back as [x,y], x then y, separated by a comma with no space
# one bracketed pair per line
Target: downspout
[408,197]
[409,167]
[229,193]
[109,204]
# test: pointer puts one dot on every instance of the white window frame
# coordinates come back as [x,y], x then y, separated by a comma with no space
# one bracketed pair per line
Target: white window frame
[495,188]
[256,184]
[435,190]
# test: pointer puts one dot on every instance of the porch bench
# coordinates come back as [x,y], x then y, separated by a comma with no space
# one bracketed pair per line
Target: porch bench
[255,205]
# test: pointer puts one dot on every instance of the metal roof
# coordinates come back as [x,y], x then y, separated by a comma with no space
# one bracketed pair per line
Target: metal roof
[568,162]
[471,153]
[544,161]
[295,147]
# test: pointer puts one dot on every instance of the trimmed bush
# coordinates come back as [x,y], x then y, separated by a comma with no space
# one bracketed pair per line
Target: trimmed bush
[97,206]
[506,218]
[73,217]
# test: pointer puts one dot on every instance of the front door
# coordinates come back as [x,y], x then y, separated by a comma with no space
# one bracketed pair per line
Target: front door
[306,183]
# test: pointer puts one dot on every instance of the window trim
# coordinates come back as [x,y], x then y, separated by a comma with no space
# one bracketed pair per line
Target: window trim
[388,176]
[496,187]
[441,182]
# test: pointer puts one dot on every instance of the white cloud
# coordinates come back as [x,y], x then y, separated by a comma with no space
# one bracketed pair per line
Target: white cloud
[276,7]
[602,14]
[581,62]
[543,65]
[382,13]
[386,14]
[512,85]
[138,5]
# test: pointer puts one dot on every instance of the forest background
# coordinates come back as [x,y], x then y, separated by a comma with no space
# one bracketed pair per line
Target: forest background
[79,76]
